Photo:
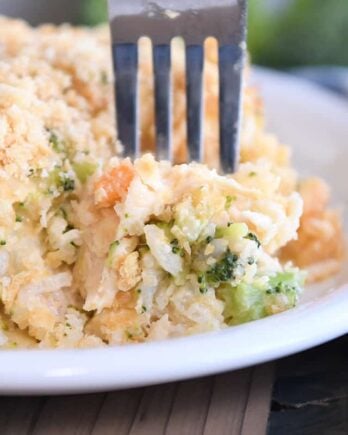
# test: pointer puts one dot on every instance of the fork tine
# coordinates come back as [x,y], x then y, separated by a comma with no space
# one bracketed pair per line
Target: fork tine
[194,90]
[230,65]
[161,65]
[125,58]
[194,21]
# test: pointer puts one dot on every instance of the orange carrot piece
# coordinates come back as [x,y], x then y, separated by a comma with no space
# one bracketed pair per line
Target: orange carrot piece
[113,186]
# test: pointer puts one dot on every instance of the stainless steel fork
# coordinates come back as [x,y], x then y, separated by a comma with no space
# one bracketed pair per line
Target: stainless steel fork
[194,21]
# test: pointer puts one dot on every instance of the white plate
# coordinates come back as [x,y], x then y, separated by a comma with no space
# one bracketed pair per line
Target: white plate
[316,124]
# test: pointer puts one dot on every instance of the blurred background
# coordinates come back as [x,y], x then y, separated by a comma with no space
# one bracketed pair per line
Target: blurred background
[284,34]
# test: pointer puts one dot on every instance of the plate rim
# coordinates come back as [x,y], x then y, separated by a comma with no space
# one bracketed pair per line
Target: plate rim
[92,370]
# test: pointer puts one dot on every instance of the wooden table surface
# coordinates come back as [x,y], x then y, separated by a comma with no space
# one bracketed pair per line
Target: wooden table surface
[306,394]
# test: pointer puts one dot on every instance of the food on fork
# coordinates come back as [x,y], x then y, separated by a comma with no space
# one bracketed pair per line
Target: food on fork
[96,249]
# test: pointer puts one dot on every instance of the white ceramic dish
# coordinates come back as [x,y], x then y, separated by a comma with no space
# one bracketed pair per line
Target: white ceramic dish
[316,124]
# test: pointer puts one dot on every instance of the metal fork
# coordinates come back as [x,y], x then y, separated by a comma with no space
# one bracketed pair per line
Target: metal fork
[194,21]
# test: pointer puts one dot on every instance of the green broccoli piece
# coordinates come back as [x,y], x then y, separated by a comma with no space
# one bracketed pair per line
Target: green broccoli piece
[223,270]
[252,236]
[67,183]
[246,302]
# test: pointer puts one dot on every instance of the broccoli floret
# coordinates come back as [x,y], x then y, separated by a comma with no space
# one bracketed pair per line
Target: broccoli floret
[252,236]
[285,283]
[202,281]
[84,170]
[61,181]
[57,144]
[251,301]
[68,183]
[223,270]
